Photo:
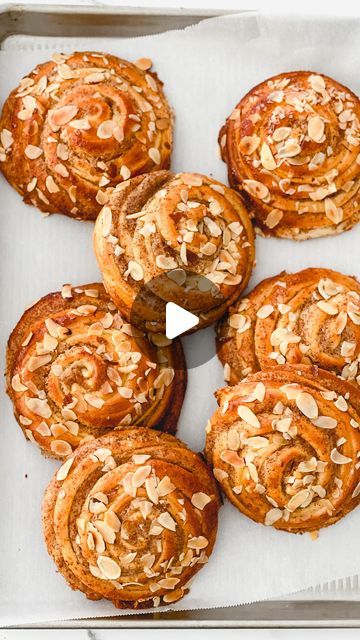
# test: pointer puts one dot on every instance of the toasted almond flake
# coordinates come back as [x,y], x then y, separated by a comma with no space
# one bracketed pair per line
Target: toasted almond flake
[338,458]
[38,407]
[82,125]
[6,138]
[108,567]
[317,83]
[165,487]
[154,155]
[239,322]
[94,401]
[298,499]
[64,469]
[165,262]
[167,521]
[265,311]
[105,129]
[198,542]
[332,212]
[151,490]
[144,64]
[220,474]
[200,500]
[232,458]
[273,218]
[61,447]
[316,128]
[289,149]
[140,458]
[272,516]
[17,384]
[32,152]
[356,491]
[307,405]
[135,270]
[106,221]
[281,133]
[62,152]
[31,185]
[43,429]
[256,189]
[325,422]
[125,172]
[107,532]
[63,115]
[51,185]
[328,307]
[341,404]
[249,144]
[140,475]
[35,362]
[266,157]
[248,416]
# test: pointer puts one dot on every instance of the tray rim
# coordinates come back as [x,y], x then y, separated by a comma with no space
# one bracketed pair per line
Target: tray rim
[299,613]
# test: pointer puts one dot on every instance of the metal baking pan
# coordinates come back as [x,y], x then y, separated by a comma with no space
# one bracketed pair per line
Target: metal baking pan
[338,605]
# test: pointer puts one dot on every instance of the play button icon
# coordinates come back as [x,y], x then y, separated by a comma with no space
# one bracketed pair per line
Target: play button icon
[178,320]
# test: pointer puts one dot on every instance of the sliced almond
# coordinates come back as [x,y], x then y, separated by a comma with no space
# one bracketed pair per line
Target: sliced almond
[200,500]
[166,521]
[266,157]
[154,155]
[256,189]
[249,144]
[273,218]
[307,405]
[63,115]
[316,127]
[32,152]
[272,516]
[248,416]
[338,458]
[105,129]
[108,567]
[64,469]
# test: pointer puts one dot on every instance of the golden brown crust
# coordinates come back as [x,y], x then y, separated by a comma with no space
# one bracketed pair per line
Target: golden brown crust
[284,446]
[185,224]
[76,369]
[131,517]
[291,146]
[309,317]
[79,125]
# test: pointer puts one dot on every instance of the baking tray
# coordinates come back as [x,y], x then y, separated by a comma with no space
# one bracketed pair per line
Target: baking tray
[336,604]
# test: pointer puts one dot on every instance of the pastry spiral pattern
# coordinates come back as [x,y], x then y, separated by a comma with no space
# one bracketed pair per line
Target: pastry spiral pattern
[183,238]
[76,369]
[292,150]
[284,445]
[80,124]
[309,317]
[131,517]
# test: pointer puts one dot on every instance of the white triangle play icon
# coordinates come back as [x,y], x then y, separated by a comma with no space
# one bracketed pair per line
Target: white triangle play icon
[178,320]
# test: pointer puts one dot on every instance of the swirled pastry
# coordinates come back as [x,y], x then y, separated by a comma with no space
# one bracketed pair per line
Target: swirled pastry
[284,445]
[131,517]
[76,369]
[79,125]
[183,238]
[309,317]
[292,150]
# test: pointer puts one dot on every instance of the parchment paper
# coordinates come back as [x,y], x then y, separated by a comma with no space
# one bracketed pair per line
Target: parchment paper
[206,69]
